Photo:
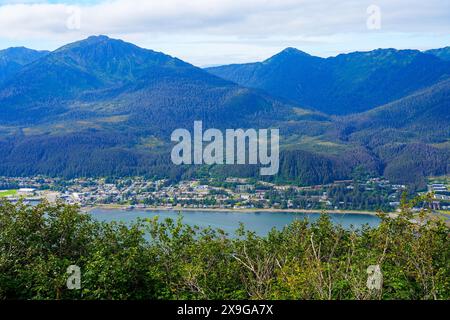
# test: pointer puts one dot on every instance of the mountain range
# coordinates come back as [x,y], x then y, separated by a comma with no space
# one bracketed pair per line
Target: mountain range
[442,53]
[345,84]
[13,59]
[101,77]
[103,106]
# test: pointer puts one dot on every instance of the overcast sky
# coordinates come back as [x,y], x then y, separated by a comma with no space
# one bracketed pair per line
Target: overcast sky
[212,32]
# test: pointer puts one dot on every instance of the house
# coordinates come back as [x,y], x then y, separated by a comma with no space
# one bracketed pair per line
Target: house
[25,192]
[245,188]
[438,187]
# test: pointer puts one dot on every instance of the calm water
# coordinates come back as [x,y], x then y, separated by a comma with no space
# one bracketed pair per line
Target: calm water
[261,222]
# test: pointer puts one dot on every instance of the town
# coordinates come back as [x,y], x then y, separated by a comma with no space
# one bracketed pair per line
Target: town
[372,194]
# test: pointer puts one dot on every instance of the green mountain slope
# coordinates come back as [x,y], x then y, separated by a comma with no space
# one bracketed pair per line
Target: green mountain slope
[425,114]
[14,59]
[411,136]
[345,84]
[442,53]
[106,107]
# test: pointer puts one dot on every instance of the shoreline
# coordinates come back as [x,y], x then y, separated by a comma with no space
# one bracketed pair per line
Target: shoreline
[218,210]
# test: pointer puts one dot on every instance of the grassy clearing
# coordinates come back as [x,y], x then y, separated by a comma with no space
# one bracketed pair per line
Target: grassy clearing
[151,142]
[7,193]
[315,144]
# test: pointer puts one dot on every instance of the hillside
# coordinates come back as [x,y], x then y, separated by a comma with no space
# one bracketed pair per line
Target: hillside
[102,77]
[442,53]
[345,84]
[411,135]
[101,106]
[425,114]
[14,59]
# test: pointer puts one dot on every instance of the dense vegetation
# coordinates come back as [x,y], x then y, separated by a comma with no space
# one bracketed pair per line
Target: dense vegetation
[99,78]
[423,116]
[169,260]
[345,84]
[343,198]
[102,107]
[13,60]
[442,53]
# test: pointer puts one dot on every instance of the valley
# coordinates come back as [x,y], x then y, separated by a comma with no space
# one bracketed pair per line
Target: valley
[90,109]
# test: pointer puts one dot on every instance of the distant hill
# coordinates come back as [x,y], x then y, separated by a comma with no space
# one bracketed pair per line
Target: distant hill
[102,106]
[410,135]
[78,71]
[13,59]
[101,77]
[348,83]
[443,53]
[425,113]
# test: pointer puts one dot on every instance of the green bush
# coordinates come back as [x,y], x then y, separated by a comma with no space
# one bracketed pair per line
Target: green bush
[170,260]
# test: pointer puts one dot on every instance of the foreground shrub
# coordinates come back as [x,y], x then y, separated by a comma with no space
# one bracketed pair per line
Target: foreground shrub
[153,259]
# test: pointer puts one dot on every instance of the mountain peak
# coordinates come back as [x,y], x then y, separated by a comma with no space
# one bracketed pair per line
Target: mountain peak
[104,52]
[294,51]
[19,56]
[15,49]
[18,50]
[287,54]
[93,41]
[100,37]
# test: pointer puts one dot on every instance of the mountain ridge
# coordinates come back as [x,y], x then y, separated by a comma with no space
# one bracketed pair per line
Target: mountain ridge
[344,84]
[14,58]
[442,53]
[103,106]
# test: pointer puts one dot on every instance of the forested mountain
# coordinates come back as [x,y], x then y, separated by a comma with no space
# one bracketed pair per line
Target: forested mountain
[425,114]
[106,107]
[411,135]
[442,53]
[13,59]
[102,77]
[344,84]
[102,106]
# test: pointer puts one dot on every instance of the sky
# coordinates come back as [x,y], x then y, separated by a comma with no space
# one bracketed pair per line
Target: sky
[214,32]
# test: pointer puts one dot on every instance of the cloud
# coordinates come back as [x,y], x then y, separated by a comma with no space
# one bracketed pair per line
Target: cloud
[224,17]
[242,22]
